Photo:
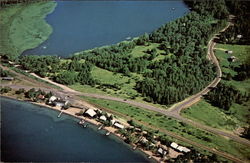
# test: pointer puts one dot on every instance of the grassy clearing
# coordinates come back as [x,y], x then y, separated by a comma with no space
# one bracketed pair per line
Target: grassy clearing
[213,116]
[177,127]
[23,26]
[140,51]
[203,111]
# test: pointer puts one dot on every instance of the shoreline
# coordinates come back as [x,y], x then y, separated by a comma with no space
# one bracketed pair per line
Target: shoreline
[93,122]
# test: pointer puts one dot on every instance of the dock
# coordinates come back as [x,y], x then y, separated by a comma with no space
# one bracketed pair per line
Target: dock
[99,128]
[59,115]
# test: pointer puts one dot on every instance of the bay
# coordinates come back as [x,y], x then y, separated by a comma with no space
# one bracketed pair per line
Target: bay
[34,133]
[81,25]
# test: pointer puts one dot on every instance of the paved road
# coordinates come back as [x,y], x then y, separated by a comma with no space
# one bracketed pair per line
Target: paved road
[173,112]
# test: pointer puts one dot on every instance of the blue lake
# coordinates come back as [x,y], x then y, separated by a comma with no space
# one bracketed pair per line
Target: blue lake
[33,133]
[81,25]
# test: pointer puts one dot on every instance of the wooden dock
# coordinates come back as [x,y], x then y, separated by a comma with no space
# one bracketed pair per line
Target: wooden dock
[59,115]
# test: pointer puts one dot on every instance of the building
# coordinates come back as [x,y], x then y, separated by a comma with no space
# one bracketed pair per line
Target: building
[239,36]
[231,59]
[174,145]
[112,121]
[90,112]
[161,151]
[60,103]
[229,51]
[103,118]
[52,98]
[118,125]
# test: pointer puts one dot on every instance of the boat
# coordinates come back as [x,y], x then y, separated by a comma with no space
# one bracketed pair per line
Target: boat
[81,122]
[128,38]
[84,126]
[108,133]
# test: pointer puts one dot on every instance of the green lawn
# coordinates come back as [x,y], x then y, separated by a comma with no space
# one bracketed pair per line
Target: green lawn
[203,111]
[23,26]
[140,51]
[170,124]
[213,116]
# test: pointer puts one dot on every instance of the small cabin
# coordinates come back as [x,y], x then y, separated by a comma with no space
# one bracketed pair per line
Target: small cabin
[229,51]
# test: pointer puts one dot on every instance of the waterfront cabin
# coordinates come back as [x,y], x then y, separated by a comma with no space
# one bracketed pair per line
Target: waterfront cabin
[91,113]
[103,118]
[112,121]
[9,78]
[60,103]
[52,98]
[118,125]
[161,151]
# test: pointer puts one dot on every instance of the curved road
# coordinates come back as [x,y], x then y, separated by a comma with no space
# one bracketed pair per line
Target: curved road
[173,112]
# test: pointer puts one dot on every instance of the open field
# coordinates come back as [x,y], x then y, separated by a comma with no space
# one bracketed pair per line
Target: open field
[203,111]
[237,115]
[160,121]
[23,26]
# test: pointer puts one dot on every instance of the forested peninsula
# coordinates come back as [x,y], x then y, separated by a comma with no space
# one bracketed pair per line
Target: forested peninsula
[182,70]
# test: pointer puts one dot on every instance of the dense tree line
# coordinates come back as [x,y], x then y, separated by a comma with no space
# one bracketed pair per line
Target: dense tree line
[223,96]
[240,9]
[64,73]
[166,81]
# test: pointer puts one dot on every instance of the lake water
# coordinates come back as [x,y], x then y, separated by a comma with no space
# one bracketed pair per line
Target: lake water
[81,25]
[33,133]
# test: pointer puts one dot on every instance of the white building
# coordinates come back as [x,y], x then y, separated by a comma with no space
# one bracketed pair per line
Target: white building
[174,145]
[52,98]
[90,112]
[118,125]
[103,118]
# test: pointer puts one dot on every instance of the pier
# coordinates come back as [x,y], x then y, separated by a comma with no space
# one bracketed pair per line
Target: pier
[59,115]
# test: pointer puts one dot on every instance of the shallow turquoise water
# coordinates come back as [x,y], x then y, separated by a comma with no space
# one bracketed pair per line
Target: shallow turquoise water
[33,133]
[80,25]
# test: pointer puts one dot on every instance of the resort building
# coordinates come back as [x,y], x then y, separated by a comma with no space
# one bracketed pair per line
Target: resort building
[103,118]
[52,98]
[118,125]
[90,112]
[174,145]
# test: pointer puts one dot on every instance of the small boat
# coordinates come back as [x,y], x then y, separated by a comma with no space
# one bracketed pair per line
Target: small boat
[128,38]
[173,8]
[150,156]
[134,147]
[81,122]
[84,126]
[44,47]
[108,133]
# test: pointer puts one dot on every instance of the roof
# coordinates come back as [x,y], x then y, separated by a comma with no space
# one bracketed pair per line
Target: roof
[112,121]
[186,150]
[52,98]
[103,118]
[160,150]
[119,125]
[174,145]
[91,112]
